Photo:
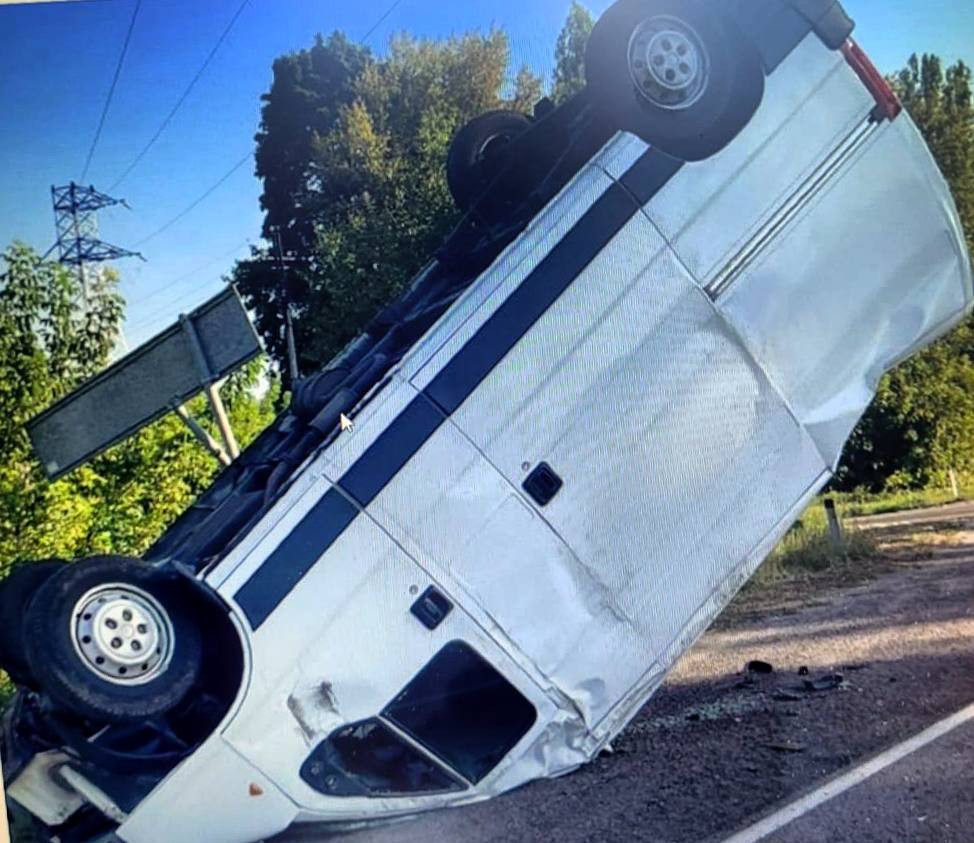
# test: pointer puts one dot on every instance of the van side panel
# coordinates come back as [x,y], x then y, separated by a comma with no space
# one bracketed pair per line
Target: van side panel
[708,210]
[678,458]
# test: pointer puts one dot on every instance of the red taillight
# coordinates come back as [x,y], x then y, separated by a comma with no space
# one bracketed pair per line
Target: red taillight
[886,100]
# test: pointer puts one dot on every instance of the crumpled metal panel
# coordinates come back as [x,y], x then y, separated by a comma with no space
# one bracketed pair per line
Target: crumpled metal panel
[874,270]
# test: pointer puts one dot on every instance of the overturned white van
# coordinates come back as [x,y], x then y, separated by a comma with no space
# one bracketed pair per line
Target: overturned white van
[574,438]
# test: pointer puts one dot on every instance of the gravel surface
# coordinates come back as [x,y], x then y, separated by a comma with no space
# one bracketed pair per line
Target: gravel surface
[861,659]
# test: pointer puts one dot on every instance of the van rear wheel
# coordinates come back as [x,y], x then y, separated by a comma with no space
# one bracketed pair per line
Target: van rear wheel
[474,157]
[678,73]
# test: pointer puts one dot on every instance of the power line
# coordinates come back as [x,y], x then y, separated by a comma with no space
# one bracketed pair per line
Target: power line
[379,22]
[165,226]
[392,7]
[179,103]
[190,274]
[111,90]
[152,317]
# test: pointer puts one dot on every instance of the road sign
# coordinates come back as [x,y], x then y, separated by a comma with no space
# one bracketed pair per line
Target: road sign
[172,367]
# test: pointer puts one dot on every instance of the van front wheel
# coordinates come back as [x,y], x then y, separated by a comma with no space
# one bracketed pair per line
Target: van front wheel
[678,73]
[112,639]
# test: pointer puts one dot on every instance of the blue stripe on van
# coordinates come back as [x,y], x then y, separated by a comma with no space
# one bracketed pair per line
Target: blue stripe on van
[523,307]
[295,556]
[392,449]
[407,433]
[648,174]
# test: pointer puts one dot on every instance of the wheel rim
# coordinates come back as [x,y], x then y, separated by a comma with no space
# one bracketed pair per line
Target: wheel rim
[491,146]
[122,634]
[668,63]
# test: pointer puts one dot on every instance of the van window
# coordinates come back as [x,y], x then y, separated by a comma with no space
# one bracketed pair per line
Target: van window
[461,709]
[368,759]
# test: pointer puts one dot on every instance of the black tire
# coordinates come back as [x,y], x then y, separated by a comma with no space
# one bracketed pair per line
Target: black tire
[73,682]
[16,591]
[472,162]
[691,123]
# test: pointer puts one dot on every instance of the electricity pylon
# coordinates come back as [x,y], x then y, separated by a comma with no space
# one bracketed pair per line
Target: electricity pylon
[76,220]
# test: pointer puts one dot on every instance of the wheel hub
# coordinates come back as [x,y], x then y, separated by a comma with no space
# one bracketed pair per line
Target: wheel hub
[122,634]
[668,63]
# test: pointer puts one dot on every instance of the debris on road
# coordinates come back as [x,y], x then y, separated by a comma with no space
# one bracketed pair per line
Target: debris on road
[825,682]
[758,666]
[785,747]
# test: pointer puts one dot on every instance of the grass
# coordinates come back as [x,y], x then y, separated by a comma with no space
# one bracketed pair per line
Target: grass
[7,690]
[807,548]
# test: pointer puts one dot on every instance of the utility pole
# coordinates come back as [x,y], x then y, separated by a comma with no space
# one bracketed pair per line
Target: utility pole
[76,221]
[292,352]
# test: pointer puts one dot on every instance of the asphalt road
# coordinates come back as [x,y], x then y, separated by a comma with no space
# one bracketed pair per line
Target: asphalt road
[859,666]
[933,515]
[925,797]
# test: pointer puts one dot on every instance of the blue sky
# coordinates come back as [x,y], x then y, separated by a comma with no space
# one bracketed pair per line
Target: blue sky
[57,61]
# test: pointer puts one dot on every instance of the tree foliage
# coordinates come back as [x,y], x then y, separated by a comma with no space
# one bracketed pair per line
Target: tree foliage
[122,500]
[570,52]
[922,421]
[308,92]
[363,200]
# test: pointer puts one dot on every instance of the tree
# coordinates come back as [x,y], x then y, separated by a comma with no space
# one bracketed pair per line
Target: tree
[47,346]
[372,187]
[527,90]
[941,105]
[308,92]
[570,53]
[922,421]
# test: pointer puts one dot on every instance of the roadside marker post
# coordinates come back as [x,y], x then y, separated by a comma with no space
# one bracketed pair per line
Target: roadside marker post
[836,537]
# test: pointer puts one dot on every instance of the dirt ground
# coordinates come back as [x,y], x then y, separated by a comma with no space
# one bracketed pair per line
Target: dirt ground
[861,658]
